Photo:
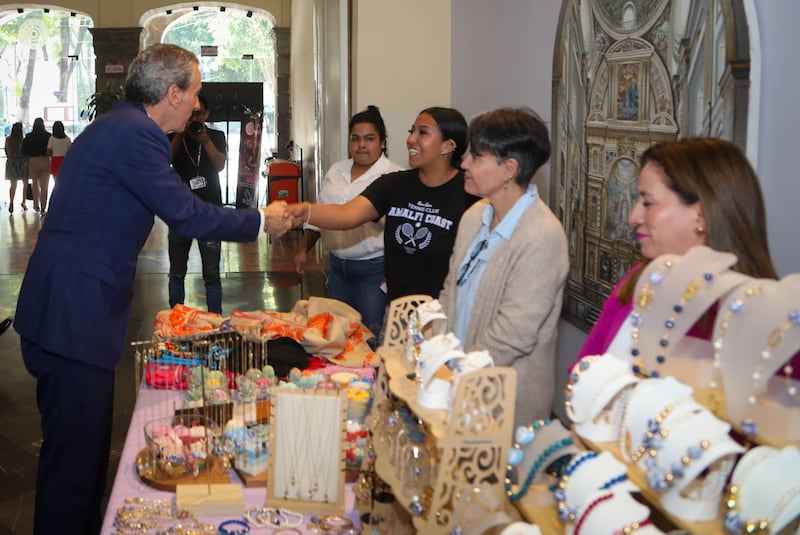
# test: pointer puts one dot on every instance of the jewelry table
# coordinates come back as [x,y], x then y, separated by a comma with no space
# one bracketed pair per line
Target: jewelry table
[127,483]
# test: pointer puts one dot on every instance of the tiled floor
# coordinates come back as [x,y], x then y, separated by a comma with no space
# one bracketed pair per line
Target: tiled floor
[255,276]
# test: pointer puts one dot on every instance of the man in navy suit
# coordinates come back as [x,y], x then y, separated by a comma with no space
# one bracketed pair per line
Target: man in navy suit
[74,303]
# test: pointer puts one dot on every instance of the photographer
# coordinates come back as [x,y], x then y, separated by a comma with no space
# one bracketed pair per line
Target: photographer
[198,155]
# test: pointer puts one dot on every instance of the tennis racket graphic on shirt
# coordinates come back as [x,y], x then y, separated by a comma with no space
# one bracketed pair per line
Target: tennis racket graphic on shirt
[406,235]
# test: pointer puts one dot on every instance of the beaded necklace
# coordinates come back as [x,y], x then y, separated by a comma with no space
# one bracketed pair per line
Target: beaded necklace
[569,389]
[736,525]
[735,307]
[774,340]
[688,293]
[642,302]
[527,435]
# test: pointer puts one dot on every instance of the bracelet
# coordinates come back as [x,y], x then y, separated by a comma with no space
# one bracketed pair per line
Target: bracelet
[278,531]
[262,517]
[308,217]
[240,528]
[588,511]
[335,522]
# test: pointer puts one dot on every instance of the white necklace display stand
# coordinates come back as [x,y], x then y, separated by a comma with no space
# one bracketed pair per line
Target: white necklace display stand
[744,370]
[680,281]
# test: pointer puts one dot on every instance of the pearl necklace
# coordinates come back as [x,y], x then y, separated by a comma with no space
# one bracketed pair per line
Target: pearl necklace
[735,307]
[774,340]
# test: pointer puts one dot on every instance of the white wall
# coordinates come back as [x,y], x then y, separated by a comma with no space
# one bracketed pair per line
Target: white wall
[401,62]
[503,56]
[303,122]
[778,165]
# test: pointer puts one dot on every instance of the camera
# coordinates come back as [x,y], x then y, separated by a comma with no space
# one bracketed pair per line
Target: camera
[196,127]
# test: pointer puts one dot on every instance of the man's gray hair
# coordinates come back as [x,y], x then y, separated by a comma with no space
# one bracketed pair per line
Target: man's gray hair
[156,68]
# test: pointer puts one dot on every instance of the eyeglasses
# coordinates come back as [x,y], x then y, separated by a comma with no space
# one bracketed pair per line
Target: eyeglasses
[467,269]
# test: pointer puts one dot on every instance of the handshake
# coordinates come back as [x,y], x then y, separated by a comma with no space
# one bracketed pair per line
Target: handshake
[280,217]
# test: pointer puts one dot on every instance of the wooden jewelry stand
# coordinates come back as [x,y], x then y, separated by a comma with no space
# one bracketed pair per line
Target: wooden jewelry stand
[306,463]
[472,439]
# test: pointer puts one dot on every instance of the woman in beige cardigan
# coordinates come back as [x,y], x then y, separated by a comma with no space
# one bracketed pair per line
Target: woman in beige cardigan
[509,264]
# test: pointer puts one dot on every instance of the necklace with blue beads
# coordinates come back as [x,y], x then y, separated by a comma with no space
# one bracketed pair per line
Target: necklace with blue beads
[523,437]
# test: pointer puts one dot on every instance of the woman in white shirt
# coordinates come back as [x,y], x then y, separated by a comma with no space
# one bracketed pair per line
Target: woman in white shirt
[57,147]
[356,256]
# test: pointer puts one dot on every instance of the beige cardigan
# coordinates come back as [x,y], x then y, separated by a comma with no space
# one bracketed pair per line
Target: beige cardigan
[518,302]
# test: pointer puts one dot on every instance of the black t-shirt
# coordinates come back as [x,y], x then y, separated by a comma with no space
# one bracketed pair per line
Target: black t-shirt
[420,229]
[185,163]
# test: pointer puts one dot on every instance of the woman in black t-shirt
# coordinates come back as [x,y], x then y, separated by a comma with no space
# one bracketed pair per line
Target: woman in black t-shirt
[422,206]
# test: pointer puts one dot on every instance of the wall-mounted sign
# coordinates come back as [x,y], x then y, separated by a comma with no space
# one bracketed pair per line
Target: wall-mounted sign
[115,68]
[208,50]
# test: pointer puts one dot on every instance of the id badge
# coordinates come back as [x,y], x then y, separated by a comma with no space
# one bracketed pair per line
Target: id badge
[197,182]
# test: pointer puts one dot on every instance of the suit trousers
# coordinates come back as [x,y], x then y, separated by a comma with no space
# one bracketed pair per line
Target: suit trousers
[76,403]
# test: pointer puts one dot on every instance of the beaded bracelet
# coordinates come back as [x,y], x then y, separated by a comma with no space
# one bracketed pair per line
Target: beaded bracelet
[260,517]
[588,510]
[736,525]
[572,380]
[660,479]
[227,527]
[565,513]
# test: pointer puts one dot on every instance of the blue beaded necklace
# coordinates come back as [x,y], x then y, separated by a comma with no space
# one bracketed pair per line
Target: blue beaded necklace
[523,437]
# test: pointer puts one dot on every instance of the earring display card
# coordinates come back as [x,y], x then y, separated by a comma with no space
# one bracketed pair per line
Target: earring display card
[307,443]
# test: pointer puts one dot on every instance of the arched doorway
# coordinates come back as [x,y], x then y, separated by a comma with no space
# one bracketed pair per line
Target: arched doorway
[223,39]
[46,67]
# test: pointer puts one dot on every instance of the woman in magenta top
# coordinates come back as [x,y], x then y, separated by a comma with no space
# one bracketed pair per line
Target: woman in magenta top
[697,191]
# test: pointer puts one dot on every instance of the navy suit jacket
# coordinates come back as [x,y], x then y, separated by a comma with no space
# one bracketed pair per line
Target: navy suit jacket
[75,297]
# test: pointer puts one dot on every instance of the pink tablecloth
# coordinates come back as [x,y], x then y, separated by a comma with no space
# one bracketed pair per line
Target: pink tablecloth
[152,404]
